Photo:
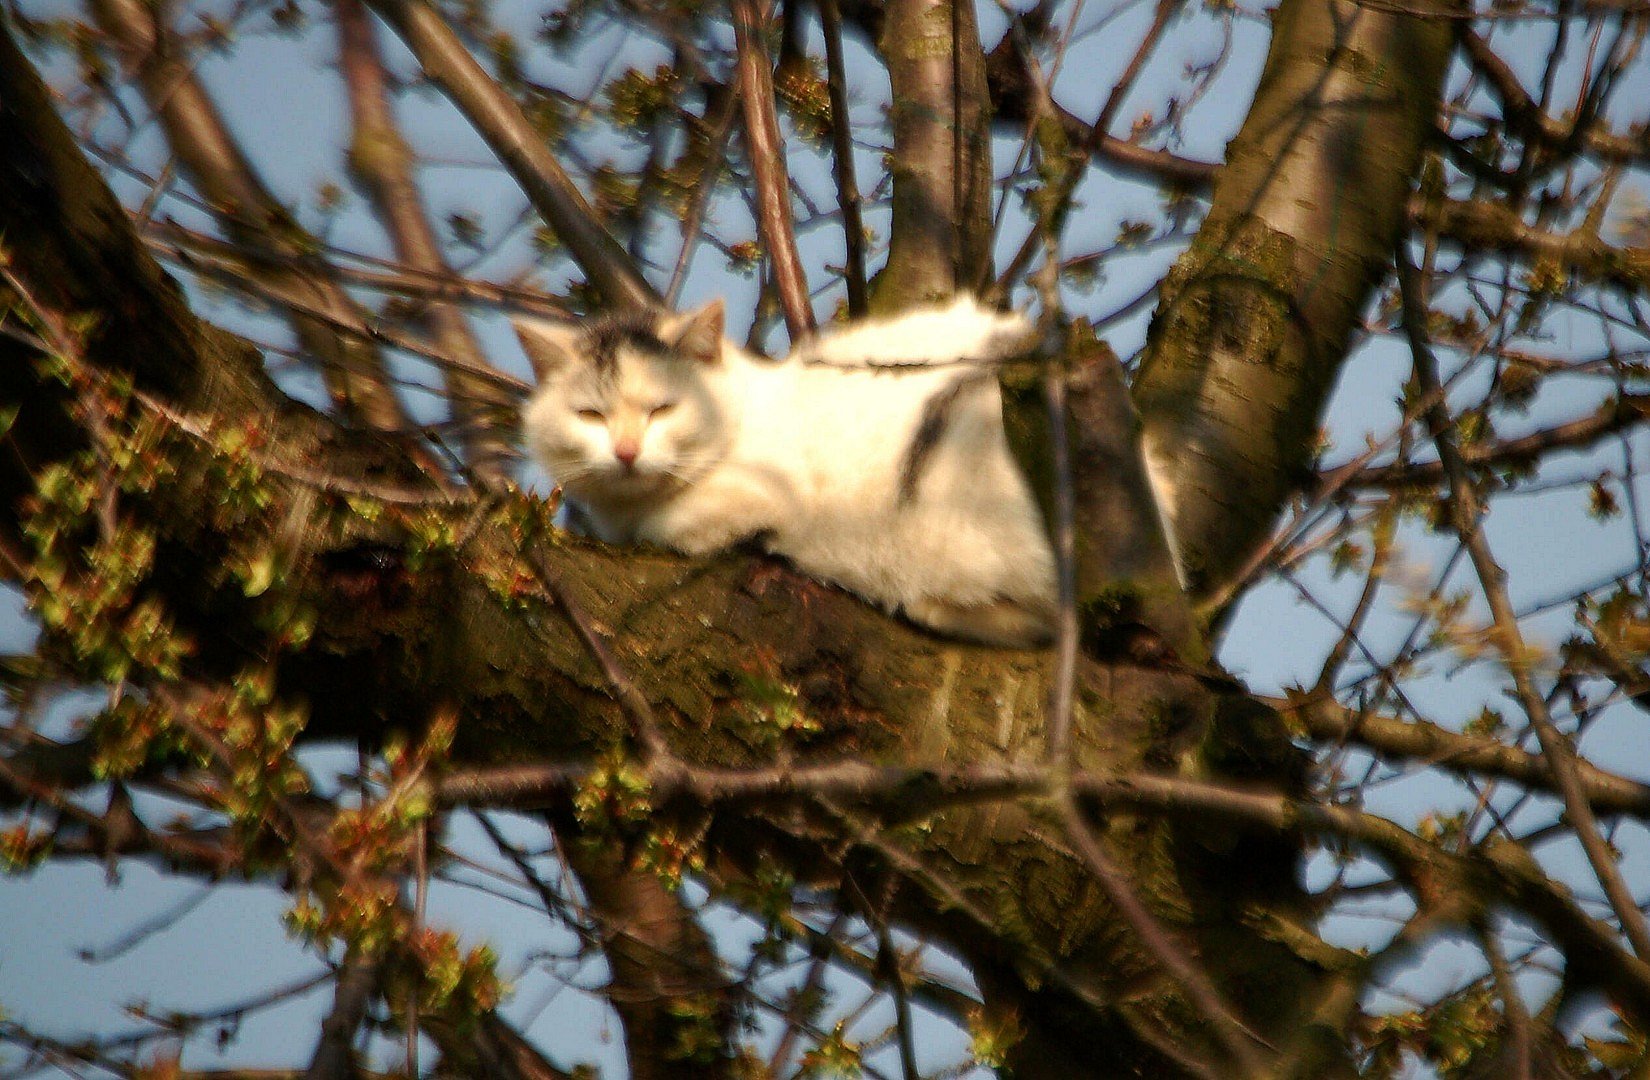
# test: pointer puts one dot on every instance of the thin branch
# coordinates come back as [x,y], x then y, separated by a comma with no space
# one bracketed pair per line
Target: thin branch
[644,726]
[1465,515]
[719,116]
[380,160]
[1441,748]
[842,161]
[148,928]
[500,121]
[1515,1013]
[1506,871]
[248,210]
[1064,529]
[888,962]
[177,243]
[1620,413]
[355,326]
[421,894]
[216,857]
[1526,118]
[821,946]
[765,150]
[1101,127]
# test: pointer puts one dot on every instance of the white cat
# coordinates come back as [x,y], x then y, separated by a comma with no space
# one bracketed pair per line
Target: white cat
[660,431]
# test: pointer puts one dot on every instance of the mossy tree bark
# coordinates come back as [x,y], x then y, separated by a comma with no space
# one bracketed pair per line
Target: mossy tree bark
[1254,321]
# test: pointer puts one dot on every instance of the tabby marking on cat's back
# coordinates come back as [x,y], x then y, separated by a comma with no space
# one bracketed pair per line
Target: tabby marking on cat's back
[659,431]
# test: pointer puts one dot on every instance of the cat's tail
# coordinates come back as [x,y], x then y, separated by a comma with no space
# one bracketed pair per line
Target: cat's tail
[961,332]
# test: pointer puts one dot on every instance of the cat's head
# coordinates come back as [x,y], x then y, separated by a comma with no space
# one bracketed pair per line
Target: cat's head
[630,406]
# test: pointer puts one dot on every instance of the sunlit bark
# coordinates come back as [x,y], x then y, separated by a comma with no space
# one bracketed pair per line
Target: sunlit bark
[1254,321]
[941,239]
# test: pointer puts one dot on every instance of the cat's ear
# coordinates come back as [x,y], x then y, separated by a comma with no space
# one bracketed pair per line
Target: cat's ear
[550,346]
[696,334]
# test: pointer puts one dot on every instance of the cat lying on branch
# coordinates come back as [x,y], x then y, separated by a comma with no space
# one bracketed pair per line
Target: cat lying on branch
[873,457]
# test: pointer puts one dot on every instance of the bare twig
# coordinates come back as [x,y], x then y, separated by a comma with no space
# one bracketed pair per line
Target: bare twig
[379,158]
[766,151]
[719,116]
[842,160]
[644,727]
[1465,515]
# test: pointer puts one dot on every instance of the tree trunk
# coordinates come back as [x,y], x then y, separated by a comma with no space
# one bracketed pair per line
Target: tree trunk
[1254,320]
[940,242]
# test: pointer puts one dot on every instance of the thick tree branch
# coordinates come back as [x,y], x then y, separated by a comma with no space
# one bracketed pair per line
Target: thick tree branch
[1011,87]
[1488,225]
[941,234]
[491,1049]
[667,984]
[706,643]
[334,1057]
[1253,322]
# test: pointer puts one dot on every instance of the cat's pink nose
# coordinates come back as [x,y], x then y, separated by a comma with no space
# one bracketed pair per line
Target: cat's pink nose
[626,452]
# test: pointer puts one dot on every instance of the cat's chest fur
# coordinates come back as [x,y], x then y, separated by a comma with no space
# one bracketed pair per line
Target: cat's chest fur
[697,448]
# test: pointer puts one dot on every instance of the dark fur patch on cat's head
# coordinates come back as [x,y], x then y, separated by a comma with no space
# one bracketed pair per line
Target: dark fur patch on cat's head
[554,346]
[607,336]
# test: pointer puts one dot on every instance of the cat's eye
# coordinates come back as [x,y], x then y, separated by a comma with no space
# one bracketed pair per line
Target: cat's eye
[593,415]
[662,409]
